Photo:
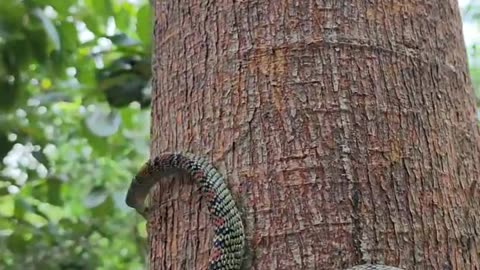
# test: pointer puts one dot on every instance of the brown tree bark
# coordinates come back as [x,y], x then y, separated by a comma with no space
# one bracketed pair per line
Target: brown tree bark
[346,129]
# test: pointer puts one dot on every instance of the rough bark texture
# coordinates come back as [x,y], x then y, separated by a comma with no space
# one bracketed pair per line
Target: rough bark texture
[346,128]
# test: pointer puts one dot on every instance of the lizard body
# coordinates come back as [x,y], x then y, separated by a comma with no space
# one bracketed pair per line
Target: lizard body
[229,238]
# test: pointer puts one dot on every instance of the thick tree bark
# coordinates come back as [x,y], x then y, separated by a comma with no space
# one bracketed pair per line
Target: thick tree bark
[346,128]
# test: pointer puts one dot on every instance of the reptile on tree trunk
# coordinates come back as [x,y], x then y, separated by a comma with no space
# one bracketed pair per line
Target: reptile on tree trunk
[229,236]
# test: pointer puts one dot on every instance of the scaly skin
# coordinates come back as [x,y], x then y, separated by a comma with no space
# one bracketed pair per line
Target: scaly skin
[229,240]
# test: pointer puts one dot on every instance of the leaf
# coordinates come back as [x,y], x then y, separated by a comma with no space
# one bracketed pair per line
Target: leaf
[42,158]
[21,207]
[11,14]
[96,197]
[58,60]
[16,55]
[98,144]
[5,224]
[102,123]
[36,210]
[39,190]
[145,25]
[69,37]
[103,8]
[39,45]
[61,6]
[123,40]
[49,27]
[10,93]
[51,97]
[123,17]
[77,226]
[55,191]
[93,24]
[5,144]
[105,208]
[86,71]
[17,243]
[4,191]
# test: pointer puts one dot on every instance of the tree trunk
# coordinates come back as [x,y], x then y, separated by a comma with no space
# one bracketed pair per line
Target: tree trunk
[346,129]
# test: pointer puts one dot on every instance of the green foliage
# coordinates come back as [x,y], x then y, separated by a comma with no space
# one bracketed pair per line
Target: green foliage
[471,16]
[73,82]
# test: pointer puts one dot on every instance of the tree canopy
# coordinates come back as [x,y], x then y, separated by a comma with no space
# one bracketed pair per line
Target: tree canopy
[74,79]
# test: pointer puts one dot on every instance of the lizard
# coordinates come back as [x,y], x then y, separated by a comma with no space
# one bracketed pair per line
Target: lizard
[229,241]
[229,234]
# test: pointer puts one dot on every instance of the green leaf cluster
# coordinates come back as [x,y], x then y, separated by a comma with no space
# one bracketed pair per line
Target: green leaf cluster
[74,82]
[471,15]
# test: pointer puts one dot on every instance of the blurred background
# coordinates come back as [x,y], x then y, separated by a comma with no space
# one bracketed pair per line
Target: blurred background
[74,127]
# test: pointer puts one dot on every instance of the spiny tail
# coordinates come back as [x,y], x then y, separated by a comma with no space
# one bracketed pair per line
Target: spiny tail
[229,239]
